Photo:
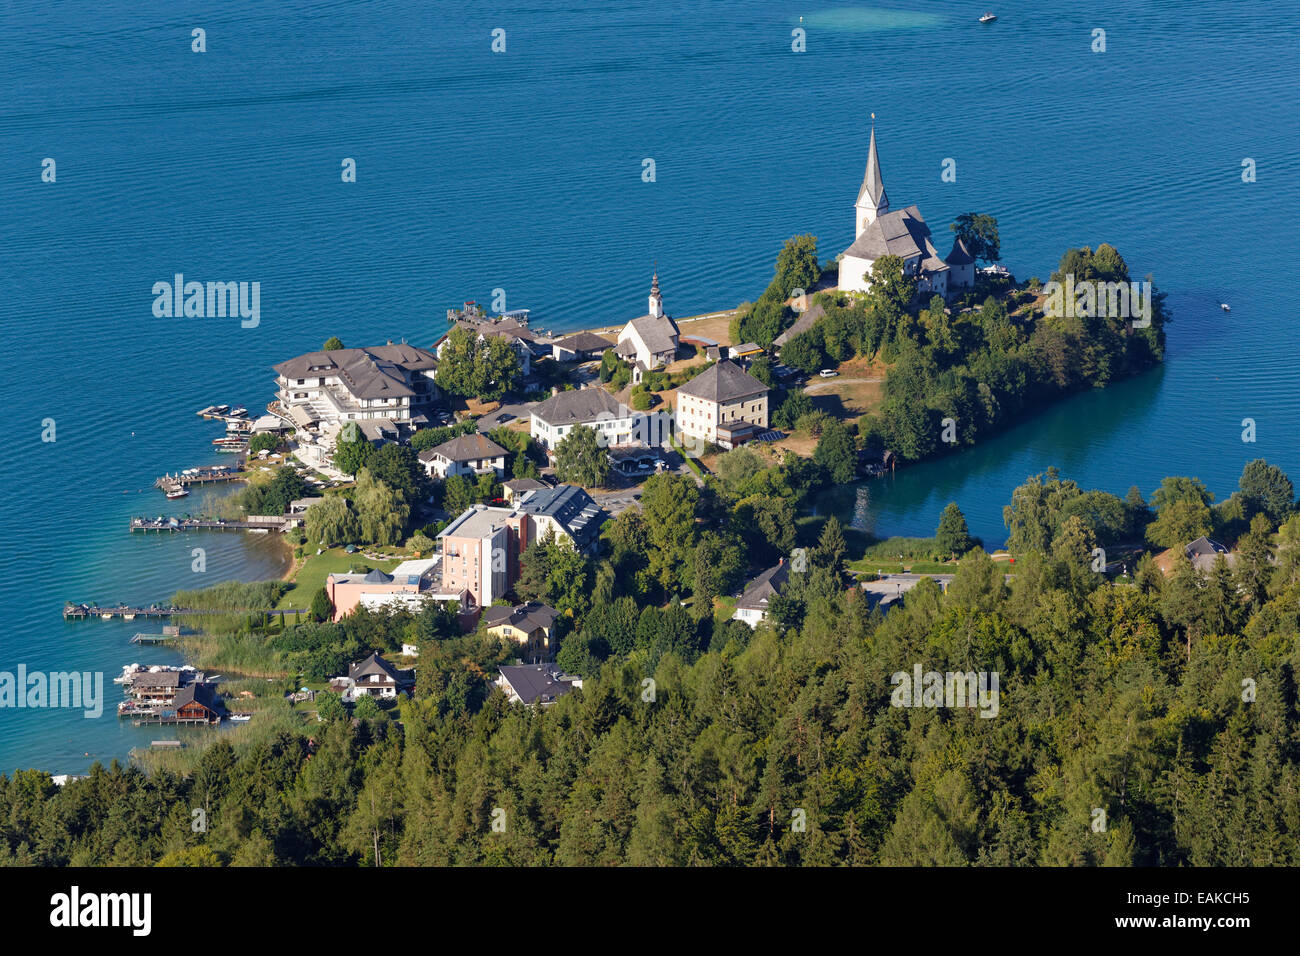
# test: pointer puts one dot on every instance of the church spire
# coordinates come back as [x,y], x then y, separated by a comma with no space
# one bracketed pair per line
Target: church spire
[872,201]
[656,300]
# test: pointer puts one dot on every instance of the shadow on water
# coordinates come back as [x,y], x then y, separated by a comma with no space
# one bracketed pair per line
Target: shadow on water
[1075,435]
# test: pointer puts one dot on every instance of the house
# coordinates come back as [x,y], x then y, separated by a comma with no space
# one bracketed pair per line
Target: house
[565,511]
[408,586]
[373,677]
[296,516]
[530,625]
[582,347]
[389,383]
[516,488]
[650,341]
[469,455]
[593,407]
[748,350]
[1203,553]
[508,327]
[158,686]
[195,703]
[753,602]
[720,401]
[881,232]
[536,683]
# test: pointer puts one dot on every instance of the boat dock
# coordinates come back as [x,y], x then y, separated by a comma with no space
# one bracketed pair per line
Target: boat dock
[196,476]
[260,523]
[126,612]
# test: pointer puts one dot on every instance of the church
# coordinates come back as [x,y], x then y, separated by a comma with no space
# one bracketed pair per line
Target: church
[902,233]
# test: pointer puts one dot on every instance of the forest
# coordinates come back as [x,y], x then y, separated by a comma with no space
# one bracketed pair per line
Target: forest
[1145,718]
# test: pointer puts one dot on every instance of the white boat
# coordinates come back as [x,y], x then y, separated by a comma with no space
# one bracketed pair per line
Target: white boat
[239,411]
[1225,307]
[988,18]
[177,493]
[241,718]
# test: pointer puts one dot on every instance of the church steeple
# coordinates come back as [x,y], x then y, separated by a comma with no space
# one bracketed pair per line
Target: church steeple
[872,202]
[656,300]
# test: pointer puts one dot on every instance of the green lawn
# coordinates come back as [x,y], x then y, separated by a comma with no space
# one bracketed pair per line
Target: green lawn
[311,576]
[871,566]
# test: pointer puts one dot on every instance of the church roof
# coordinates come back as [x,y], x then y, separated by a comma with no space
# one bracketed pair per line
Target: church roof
[873,186]
[901,233]
[659,333]
[960,255]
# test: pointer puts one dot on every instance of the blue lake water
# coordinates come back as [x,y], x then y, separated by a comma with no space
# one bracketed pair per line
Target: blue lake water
[522,171]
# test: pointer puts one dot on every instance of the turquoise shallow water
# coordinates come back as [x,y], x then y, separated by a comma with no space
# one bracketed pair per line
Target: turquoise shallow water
[522,171]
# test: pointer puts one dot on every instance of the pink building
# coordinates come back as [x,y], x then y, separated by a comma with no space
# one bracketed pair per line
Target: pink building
[410,583]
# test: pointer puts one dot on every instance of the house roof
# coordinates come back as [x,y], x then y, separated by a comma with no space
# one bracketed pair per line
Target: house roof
[584,342]
[475,447]
[524,484]
[476,522]
[379,372]
[537,683]
[760,590]
[373,576]
[374,664]
[659,333]
[724,382]
[1203,546]
[505,328]
[200,692]
[570,507]
[527,617]
[873,184]
[801,324]
[901,233]
[960,255]
[579,405]
[158,679]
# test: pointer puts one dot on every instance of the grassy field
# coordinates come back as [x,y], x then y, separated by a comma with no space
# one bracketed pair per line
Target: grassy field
[316,567]
[871,566]
[857,390]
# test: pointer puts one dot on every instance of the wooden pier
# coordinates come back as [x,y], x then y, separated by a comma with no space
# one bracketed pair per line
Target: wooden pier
[267,523]
[197,476]
[85,611]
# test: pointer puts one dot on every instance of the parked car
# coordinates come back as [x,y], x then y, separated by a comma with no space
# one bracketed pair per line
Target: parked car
[828,373]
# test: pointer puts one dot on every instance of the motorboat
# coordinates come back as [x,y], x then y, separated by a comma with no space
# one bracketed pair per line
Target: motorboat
[988,18]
